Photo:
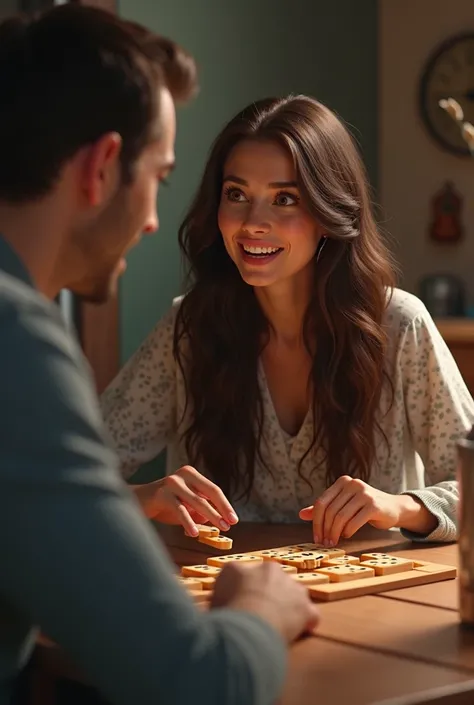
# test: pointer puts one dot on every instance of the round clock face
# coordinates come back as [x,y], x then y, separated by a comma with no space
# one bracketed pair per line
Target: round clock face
[449,73]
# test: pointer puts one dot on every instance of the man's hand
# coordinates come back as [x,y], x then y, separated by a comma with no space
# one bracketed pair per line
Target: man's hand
[265,590]
[186,497]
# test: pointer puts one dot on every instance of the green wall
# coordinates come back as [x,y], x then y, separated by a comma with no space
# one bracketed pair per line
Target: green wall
[245,50]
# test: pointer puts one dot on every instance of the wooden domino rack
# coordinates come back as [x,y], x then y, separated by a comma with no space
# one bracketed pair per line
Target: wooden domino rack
[327,573]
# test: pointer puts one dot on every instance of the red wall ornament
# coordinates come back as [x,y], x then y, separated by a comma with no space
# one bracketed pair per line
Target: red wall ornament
[446,226]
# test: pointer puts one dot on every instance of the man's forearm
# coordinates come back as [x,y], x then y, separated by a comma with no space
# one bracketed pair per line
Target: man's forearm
[127,623]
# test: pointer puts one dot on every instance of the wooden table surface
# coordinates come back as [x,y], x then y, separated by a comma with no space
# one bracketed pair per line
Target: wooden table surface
[367,649]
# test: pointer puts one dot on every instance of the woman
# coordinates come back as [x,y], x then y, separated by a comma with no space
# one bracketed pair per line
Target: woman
[293,373]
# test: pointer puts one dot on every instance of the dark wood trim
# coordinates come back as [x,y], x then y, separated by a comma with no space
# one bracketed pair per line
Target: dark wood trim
[35,5]
[99,335]
[110,5]
[99,325]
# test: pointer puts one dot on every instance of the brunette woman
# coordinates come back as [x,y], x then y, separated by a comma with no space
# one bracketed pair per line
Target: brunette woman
[293,374]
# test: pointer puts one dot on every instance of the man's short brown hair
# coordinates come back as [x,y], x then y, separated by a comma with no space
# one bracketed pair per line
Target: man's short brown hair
[69,76]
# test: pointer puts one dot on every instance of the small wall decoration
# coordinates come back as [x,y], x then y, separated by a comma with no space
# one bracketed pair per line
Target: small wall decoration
[446,226]
[466,129]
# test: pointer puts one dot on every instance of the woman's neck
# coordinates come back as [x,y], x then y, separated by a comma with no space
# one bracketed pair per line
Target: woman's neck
[284,305]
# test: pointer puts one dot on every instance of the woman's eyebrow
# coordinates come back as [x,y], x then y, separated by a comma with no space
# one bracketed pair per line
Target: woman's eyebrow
[272,184]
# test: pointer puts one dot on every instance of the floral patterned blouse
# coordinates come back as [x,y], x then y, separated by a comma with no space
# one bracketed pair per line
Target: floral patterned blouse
[431,409]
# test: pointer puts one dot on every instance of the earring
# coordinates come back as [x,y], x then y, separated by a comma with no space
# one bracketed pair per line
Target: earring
[320,248]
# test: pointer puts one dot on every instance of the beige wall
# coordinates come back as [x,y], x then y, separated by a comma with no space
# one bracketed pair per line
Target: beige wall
[411,165]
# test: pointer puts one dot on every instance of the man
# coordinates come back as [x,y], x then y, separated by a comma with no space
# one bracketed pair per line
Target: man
[87,128]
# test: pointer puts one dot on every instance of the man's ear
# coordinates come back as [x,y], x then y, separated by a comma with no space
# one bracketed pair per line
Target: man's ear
[102,168]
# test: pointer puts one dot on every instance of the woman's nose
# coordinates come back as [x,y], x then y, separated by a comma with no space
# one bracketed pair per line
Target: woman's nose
[257,221]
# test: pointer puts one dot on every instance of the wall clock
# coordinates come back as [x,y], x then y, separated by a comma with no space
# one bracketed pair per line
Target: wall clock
[448,73]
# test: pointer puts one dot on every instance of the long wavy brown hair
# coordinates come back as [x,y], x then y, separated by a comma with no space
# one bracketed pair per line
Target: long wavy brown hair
[221,330]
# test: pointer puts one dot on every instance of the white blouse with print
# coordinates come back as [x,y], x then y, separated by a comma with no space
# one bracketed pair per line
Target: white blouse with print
[431,409]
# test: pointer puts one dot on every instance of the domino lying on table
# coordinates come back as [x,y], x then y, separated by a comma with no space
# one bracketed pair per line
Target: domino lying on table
[327,573]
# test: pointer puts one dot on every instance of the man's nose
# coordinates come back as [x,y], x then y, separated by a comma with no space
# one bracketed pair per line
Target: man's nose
[152,224]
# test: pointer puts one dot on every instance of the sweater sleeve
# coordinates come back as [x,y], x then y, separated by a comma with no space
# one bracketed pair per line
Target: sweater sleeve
[79,559]
[440,410]
[139,406]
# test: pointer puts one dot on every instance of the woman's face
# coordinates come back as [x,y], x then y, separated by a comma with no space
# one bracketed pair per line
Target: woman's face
[267,230]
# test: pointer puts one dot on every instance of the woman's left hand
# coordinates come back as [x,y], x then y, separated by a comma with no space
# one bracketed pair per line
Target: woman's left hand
[349,504]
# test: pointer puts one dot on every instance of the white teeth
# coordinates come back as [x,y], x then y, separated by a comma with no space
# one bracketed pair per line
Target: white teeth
[260,250]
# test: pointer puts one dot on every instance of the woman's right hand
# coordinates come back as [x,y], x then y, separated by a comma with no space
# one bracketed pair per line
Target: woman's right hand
[186,497]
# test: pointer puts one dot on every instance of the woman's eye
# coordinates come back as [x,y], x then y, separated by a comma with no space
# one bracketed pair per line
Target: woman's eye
[286,199]
[235,195]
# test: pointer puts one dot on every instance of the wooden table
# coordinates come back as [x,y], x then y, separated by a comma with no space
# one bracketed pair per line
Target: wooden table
[367,649]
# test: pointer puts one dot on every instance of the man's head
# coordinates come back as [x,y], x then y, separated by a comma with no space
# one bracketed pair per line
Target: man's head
[87,125]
